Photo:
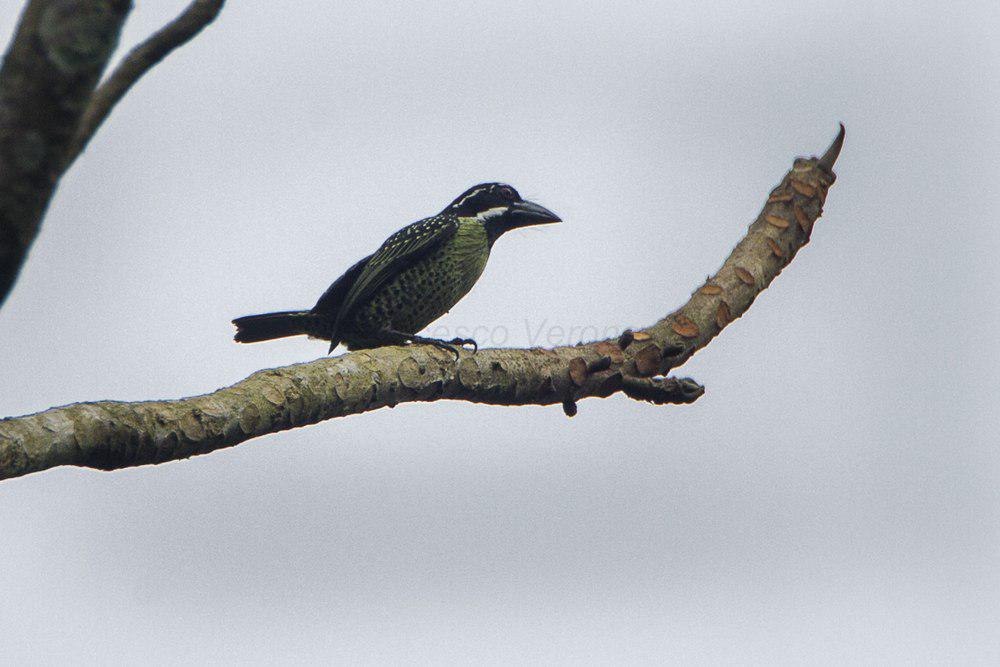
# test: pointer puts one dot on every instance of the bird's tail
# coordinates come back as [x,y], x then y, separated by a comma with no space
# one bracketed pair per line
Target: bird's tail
[268,326]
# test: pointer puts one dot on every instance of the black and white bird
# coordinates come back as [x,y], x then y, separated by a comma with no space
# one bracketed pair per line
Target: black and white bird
[415,276]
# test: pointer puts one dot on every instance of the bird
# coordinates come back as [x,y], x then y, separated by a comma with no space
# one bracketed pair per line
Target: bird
[417,275]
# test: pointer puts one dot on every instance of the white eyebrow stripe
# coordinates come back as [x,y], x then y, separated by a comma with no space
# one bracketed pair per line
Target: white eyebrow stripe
[474,192]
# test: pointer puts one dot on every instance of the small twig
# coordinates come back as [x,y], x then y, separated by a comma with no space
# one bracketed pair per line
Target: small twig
[662,390]
[139,61]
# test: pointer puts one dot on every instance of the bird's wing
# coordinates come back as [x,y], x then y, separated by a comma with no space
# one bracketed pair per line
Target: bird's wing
[400,251]
[329,304]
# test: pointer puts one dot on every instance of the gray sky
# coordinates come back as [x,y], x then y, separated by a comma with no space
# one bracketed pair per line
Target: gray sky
[834,497]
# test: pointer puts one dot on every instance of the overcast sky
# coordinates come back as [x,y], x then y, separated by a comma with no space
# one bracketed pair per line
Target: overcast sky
[835,495]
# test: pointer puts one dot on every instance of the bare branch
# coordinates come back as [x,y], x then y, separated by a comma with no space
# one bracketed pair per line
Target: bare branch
[139,61]
[110,435]
[50,69]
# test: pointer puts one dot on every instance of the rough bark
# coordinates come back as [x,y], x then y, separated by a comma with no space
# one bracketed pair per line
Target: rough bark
[109,435]
[49,71]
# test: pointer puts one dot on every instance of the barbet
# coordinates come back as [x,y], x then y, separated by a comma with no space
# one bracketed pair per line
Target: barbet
[415,277]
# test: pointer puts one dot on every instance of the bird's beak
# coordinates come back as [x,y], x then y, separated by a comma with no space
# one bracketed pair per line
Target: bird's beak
[524,213]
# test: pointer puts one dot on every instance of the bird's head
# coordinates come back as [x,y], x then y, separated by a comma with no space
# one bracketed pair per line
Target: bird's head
[500,208]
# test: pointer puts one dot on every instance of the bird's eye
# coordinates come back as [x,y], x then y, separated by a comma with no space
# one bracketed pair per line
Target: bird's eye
[507,192]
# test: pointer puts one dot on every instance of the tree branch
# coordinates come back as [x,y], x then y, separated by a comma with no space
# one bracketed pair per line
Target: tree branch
[49,109]
[140,60]
[50,69]
[110,434]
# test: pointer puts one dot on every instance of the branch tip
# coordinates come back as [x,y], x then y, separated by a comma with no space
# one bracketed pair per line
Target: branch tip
[569,407]
[662,391]
[833,152]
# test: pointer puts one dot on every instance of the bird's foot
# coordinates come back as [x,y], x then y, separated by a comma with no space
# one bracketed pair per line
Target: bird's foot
[453,345]
[392,337]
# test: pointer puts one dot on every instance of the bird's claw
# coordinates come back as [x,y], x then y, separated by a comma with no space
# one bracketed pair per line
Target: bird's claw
[462,342]
[456,344]
[453,345]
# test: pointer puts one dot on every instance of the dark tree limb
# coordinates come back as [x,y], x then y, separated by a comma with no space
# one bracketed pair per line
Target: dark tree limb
[140,60]
[50,69]
[111,434]
[49,108]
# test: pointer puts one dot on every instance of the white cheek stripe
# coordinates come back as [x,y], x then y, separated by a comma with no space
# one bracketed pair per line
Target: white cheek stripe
[483,216]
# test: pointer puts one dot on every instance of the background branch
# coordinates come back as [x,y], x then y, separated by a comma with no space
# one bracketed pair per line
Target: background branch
[140,60]
[49,71]
[49,108]
[110,434]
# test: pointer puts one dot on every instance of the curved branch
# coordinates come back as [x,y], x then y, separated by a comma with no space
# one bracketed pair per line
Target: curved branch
[140,60]
[49,71]
[109,434]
